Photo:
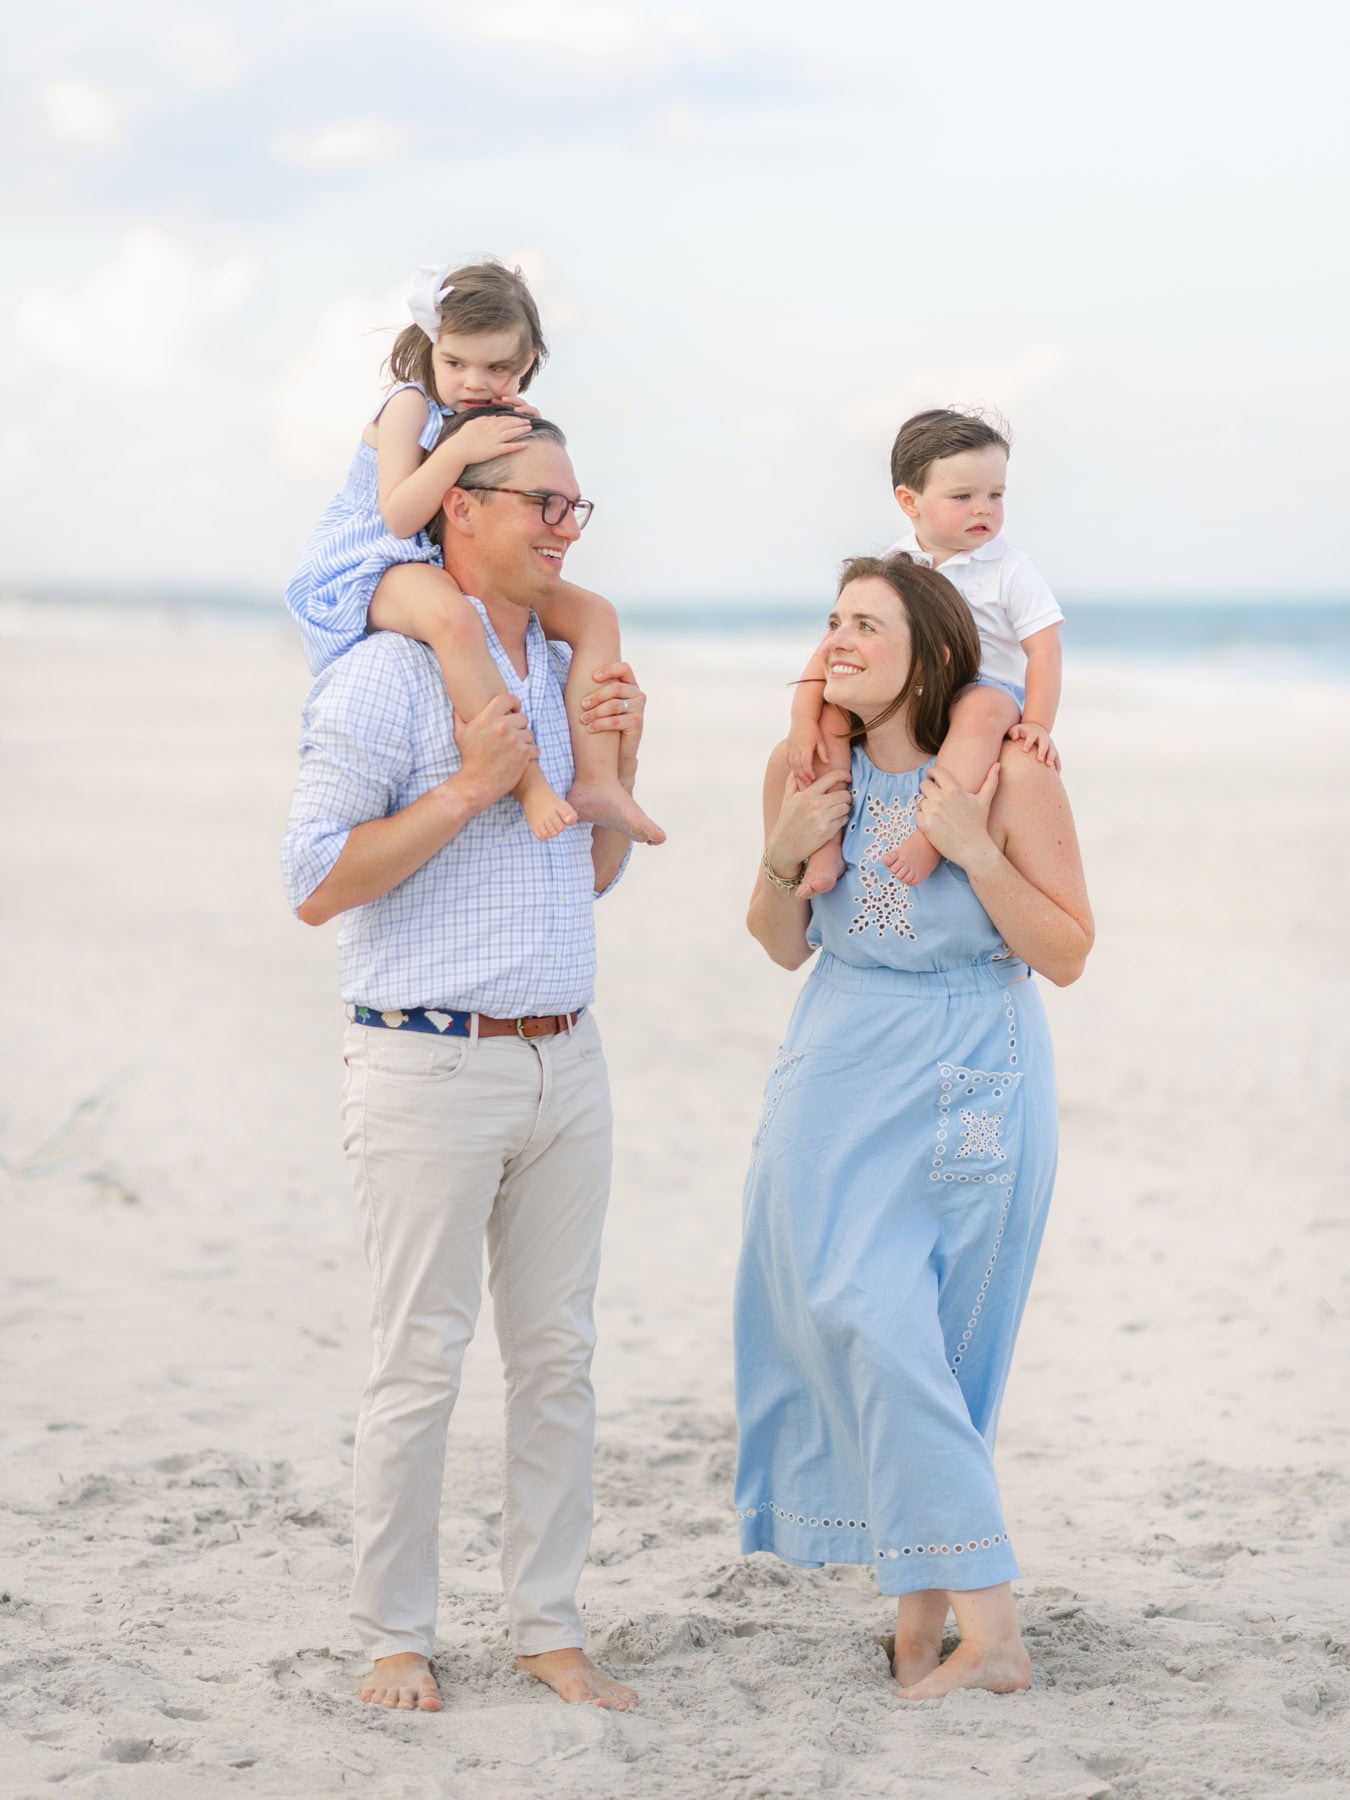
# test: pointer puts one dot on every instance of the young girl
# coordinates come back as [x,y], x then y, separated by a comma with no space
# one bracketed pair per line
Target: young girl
[949,470]
[370,564]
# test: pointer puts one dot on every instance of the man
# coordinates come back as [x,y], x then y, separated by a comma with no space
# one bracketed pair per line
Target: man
[477,1105]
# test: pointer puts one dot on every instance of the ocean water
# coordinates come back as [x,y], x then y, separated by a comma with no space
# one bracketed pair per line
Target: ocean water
[1280,635]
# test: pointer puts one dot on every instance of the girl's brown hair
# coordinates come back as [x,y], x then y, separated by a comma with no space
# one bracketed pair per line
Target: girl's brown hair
[944,645]
[487,296]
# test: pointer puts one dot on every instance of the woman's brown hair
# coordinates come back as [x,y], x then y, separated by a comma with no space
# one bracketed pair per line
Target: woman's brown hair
[944,645]
[487,296]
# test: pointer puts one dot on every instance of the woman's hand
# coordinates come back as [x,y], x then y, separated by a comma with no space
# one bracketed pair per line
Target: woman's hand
[956,823]
[811,813]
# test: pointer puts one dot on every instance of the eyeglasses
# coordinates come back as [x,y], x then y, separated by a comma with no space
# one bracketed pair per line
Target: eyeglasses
[553,507]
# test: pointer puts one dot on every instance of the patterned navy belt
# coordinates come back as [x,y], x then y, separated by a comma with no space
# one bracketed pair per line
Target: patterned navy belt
[460,1024]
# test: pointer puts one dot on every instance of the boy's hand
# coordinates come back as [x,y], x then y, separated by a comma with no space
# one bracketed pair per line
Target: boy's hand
[482,439]
[1032,736]
[806,751]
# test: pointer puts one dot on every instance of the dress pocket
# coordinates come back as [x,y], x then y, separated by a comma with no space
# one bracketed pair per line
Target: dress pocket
[978,1126]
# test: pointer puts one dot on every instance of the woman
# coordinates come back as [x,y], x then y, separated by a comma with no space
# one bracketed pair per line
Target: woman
[906,1150]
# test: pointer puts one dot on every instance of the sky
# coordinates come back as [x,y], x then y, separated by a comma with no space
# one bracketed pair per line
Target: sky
[760,235]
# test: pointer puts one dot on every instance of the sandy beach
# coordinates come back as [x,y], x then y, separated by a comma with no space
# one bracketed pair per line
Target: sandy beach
[183,1301]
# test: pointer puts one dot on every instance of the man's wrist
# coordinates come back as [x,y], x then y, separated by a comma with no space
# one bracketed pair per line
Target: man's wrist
[461,798]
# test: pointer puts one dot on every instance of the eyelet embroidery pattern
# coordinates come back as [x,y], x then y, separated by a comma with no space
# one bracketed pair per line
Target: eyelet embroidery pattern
[779,1075]
[981,1138]
[992,1542]
[984,1543]
[796,1518]
[981,1131]
[978,1127]
[978,1307]
[886,903]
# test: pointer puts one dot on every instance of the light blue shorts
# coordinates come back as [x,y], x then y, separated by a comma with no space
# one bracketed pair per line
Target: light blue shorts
[1018,693]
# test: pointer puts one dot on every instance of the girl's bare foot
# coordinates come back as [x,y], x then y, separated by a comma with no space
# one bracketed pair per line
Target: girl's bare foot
[546,812]
[914,1658]
[405,1683]
[999,1668]
[615,809]
[913,861]
[823,869]
[574,1678]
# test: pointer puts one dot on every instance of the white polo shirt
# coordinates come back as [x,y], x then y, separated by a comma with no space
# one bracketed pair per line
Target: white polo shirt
[1007,597]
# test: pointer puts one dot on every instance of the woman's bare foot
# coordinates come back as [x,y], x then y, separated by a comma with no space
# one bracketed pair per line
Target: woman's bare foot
[574,1677]
[1000,1668]
[913,861]
[615,809]
[405,1683]
[823,869]
[914,1658]
[546,812]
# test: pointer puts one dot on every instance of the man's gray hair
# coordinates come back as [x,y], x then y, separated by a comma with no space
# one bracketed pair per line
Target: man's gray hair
[496,472]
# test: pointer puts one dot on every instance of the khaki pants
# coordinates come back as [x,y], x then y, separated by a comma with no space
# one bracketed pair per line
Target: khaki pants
[453,1143]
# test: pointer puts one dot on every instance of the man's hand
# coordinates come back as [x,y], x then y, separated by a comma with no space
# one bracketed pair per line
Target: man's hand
[497,748]
[617,703]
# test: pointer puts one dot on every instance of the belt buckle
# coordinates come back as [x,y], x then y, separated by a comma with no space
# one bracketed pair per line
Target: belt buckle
[542,1020]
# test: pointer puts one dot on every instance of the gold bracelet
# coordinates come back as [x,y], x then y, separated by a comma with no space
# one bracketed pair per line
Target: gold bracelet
[783,883]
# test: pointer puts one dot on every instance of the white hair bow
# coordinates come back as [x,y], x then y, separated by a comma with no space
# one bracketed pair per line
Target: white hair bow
[424,302]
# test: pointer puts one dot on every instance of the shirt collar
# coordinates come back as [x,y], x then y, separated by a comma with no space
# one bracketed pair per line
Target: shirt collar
[908,543]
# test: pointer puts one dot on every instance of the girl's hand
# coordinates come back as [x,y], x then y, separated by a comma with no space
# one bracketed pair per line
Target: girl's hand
[811,813]
[956,823]
[805,744]
[1032,736]
[482,439]
[523,406]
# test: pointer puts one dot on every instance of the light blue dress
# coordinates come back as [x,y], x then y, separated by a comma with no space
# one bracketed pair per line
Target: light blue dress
[894,1207]
[349,550]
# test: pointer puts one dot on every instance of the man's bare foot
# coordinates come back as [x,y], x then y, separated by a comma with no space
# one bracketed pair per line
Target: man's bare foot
[546,812]
[616,810]
[823,869]
[913,861]
[1000,1668]
[574,1677]
[405,1683]
[914,1658]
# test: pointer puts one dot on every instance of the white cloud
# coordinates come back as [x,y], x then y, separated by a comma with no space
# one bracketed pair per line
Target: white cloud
[345,144]
[137,320]
[608,36]
[998,386]
[329,389]
[82,115]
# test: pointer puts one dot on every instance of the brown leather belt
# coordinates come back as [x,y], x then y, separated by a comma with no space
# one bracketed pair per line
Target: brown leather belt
[460,1024]
[536,1027]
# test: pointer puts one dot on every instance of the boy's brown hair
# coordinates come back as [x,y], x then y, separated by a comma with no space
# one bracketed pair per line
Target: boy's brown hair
[941,431]
[487,296]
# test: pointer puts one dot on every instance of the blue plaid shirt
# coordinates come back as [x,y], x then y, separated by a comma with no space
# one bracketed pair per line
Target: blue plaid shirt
[495,922]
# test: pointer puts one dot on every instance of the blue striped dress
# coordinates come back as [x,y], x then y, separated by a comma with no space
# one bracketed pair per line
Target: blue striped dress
[350,548]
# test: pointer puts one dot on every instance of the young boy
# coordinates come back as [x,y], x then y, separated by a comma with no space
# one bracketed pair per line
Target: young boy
[949,470]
